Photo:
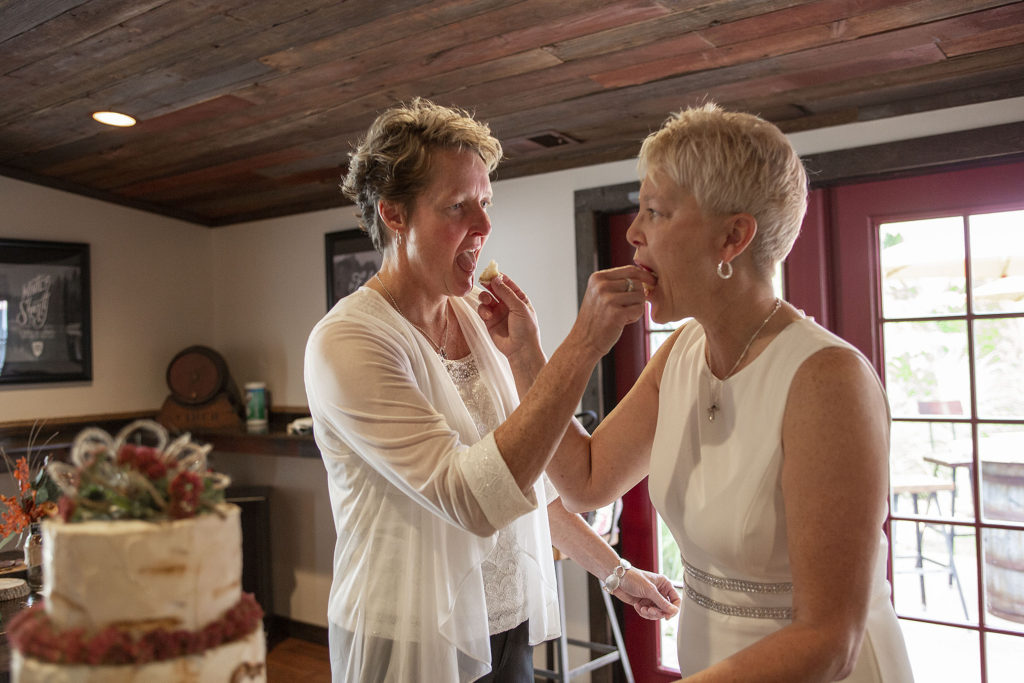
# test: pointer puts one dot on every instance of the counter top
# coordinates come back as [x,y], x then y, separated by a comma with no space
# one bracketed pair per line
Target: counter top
[274,442]
[54,437]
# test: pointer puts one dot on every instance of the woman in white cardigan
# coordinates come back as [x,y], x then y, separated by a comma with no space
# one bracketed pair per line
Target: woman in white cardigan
[435,430]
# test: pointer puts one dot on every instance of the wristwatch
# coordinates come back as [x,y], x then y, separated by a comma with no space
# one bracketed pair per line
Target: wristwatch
[611,584]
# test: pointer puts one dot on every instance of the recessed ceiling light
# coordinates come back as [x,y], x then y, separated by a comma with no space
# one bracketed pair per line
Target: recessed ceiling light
[113,118]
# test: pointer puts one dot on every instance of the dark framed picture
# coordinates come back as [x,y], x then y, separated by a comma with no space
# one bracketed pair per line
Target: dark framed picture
[45,319]
[351,261]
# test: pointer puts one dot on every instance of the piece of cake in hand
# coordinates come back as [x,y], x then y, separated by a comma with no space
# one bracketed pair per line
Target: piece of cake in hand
[490,272]
[142,570]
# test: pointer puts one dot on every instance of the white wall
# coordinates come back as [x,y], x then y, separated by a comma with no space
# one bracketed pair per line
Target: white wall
[151,287]
[253,291]
[271,289]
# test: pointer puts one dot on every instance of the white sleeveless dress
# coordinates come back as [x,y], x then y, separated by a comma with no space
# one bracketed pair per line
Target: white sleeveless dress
[717,485]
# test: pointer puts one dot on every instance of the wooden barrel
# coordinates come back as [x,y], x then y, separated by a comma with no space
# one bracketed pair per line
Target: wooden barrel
[1003,501]
[197,375]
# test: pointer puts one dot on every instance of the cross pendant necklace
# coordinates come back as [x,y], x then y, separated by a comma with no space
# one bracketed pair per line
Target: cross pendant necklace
[716,384]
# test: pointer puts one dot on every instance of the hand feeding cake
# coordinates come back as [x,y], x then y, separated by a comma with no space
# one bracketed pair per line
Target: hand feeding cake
[142,572]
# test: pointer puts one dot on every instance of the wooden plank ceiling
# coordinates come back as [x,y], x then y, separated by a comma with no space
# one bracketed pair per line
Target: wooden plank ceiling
[247,108]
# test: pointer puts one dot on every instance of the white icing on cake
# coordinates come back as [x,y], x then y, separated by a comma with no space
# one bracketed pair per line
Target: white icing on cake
[242,661]
[179,574]
[140,576]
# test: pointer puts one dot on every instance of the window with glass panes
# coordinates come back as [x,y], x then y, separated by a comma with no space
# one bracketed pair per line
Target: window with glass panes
[952,331]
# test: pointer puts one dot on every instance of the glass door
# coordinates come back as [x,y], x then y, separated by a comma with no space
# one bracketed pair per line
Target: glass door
[952,319]
[922,272]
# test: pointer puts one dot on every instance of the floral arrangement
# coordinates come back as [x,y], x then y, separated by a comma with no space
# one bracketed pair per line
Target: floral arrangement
[139,474]
[32,633]
[35,499]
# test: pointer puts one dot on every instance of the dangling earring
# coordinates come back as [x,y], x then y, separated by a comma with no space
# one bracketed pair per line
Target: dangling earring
[396,235]
[724,270]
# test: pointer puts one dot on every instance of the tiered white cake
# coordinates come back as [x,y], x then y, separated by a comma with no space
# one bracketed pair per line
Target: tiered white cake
[133,600]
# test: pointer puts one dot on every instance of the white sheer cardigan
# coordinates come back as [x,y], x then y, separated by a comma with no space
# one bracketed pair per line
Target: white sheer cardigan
[416,495]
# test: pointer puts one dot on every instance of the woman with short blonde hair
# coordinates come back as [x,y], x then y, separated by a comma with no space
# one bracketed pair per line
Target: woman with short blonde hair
[764,438]
[733,162]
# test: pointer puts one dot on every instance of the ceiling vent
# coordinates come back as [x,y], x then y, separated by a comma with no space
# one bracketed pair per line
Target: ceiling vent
[551,138]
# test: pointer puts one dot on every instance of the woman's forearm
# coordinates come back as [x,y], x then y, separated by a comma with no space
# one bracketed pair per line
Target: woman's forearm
[528,438]
[575,539]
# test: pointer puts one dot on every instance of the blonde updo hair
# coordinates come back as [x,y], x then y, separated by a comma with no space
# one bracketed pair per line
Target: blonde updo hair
[734,163]
[392,162]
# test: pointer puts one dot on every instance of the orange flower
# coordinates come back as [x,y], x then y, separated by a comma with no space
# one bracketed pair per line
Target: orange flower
[21,474]
[13,519]
[17,512]
[47,509]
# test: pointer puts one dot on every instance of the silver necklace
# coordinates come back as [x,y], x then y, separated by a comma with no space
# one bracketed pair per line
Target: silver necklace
[444,335]
[716,384]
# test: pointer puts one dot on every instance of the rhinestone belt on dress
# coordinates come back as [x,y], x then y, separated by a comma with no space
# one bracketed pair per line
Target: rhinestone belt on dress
[738,585]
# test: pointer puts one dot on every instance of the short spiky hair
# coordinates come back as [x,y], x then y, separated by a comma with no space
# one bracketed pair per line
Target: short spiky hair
[392,162]
[734,162]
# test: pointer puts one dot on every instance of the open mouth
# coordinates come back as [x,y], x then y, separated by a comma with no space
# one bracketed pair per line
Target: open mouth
[466,260]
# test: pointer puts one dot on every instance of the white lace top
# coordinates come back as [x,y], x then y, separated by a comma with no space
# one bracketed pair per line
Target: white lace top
[504,578]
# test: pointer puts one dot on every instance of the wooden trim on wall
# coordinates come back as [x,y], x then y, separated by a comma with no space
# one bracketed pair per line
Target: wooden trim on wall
[949,151]
[55,435]
[75,420]
[22,437]
[592,206]
[807,269]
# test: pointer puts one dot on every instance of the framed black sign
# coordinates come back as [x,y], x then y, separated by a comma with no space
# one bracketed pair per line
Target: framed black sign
[351,261]
[45,323]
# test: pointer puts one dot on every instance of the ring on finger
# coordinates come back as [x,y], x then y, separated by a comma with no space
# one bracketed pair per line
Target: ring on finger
[629,284]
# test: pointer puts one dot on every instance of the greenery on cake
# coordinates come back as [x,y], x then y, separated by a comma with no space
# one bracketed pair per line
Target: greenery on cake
[138,474]
[32,633]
